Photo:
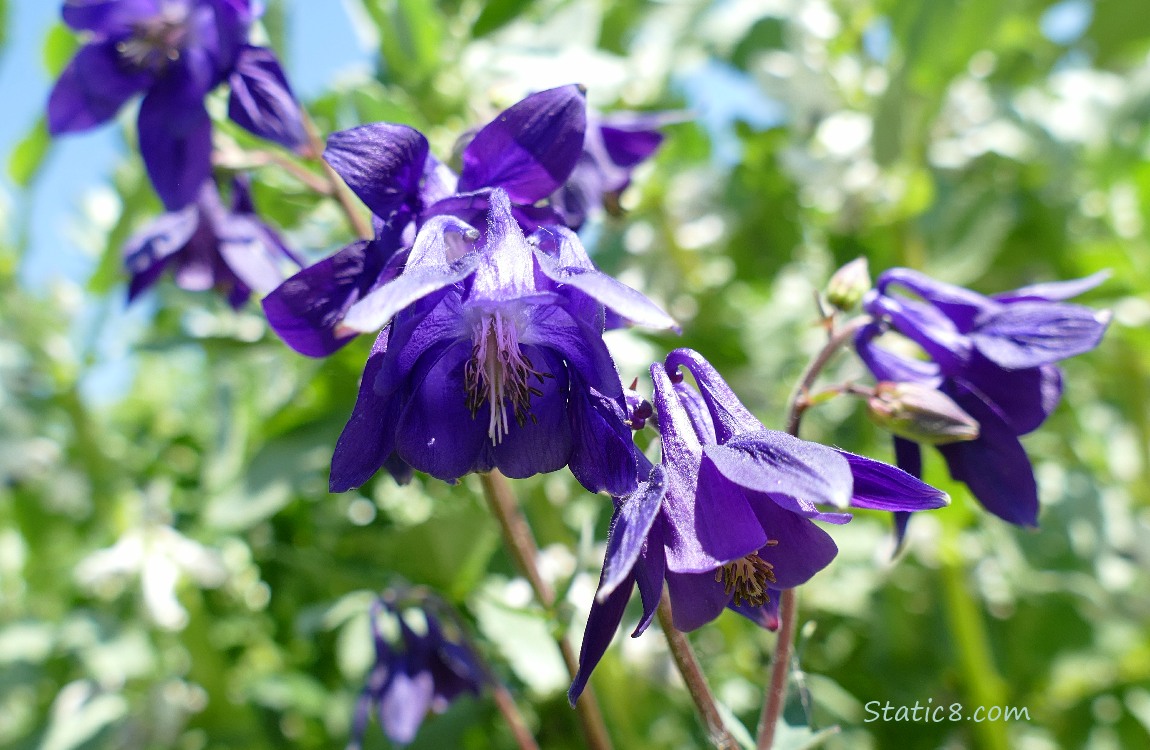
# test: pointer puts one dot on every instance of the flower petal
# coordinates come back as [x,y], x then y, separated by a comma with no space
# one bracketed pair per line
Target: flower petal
[727,411]
[778,464]
[602,622]
[696,599]
[530,148]
[148,251]
[91,89]
[883,487]
[1032,334]
[1053,291]
[995,467]
[261,99]
[957,303]
[543,442]
[1024,398]
[630,525]
[107,17]
[925,325]
[175,140]
[801,548]
[383,163]
[886,365]
[603,454]
[368,437]
[403,707]
[765,616]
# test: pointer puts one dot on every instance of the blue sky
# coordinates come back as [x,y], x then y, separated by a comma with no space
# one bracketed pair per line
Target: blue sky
[321,42]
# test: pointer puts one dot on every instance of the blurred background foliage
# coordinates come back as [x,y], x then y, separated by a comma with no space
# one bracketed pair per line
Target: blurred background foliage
[173,572]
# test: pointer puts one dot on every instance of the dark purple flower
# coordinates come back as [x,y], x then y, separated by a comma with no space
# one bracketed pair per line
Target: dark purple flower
[994,357]
[614,146]
[492,356]
[426,673]
[527,151]
[208,246]
[174,52]
[728,515]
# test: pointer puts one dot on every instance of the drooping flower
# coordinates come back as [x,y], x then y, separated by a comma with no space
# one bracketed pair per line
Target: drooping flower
[174,52]
[727,517]
[425,673]
[491,356]
[527,152]
[995,358]
[209,246]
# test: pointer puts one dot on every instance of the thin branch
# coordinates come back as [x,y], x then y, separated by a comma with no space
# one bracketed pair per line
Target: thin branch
[520,542]
[798,401]
[696,681]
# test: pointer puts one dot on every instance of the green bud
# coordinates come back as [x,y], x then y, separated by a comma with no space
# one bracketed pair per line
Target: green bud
[919,413]
[848,285]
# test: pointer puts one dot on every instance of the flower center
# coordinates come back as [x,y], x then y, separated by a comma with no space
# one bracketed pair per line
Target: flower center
[746,579]
[500,374]
[157,41]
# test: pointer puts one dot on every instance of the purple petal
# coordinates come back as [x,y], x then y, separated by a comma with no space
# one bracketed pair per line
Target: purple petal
[630,526]
[253,251]
[886,365]
[783,466]
[157,242]
[602,622]
[1032,334]
[555,328]
[603,454]
[404,706]
[925,325]
[506,271]
[369,436]
[884,487]
[650,570]
[765,616]
[1023,398]
[697,411]
[92,89]
[108,17]
[305,310]
[696,599]
[262,101]
[582,275]
[436,433]
[175,141]
[628,144]
[382,163]
[530,148]
[801,548]
[543,442]
[435,262]
[1053,291]
[958,304]
[995,467]
[727,411]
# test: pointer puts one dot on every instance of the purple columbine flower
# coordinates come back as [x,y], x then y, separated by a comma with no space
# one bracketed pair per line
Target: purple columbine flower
[174,52]
[728,516]
[492,356]
[209,246]
[526,152]
[426,674]
[994,357]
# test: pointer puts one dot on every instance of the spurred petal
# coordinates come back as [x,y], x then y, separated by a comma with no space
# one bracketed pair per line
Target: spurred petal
[253,252]
[1053,291]
[602,622]
[573,268]
[175,140]
[92,89]
[435,262]
[107,17]
[886,365]
[383,163]
[530,148]
[727,411]
[1032,334]
[262,101]
[883,487]
[959,304]
[650,570]
[696,599]
[925,325]
[995,467]
[776,463]
[369,435]
[630,526]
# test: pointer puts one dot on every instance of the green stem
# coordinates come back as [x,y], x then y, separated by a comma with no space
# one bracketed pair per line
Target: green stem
[339,190]
[521,544]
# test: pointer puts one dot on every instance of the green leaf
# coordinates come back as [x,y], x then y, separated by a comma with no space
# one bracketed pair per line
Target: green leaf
[59,46]
[28,156]
[1120,30]
[496,14]
[410,38]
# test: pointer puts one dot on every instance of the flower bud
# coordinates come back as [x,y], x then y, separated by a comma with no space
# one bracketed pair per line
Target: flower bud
[848,284]
[919,413]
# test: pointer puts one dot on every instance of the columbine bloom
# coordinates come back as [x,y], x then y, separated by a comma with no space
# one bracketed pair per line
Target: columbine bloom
[174,52]
[994,357]
[209,246]
[426,674]
[526,152]
[728,516]
[493,357]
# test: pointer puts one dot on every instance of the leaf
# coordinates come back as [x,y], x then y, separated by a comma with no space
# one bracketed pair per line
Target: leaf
[497,14]
[59,46]
[28,156]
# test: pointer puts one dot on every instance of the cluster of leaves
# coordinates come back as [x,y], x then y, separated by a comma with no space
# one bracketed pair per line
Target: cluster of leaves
[173,572]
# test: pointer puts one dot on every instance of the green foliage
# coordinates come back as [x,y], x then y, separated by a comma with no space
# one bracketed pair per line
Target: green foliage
[174,573]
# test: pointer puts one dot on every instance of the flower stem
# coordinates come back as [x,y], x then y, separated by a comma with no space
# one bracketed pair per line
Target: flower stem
[520,543]
[776,694]
[696,681]
[506,705]
[339,190]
